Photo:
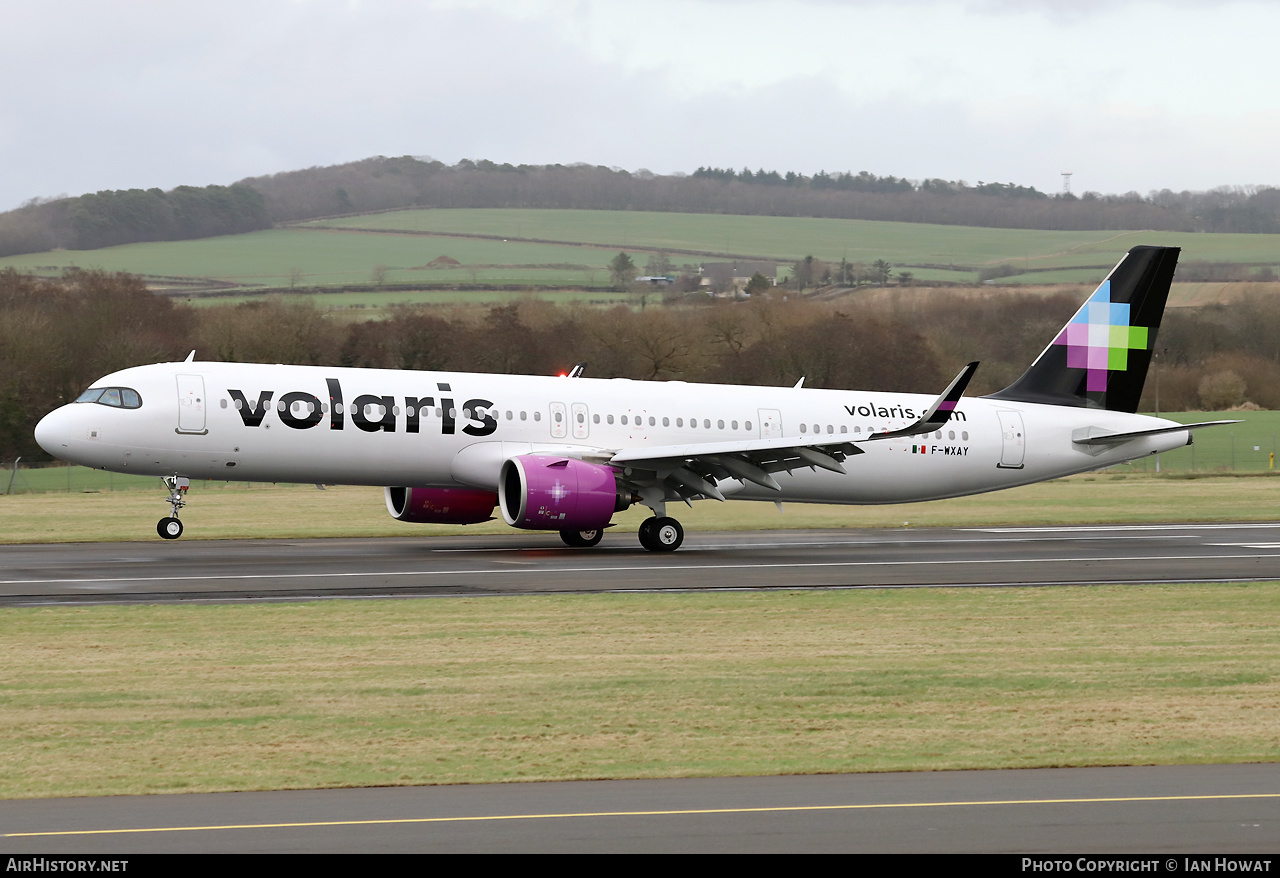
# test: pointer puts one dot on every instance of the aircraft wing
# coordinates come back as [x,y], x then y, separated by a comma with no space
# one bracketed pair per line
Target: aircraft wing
[691,470]
[938,413]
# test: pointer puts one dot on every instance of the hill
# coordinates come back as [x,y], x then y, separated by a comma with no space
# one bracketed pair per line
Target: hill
[130,216]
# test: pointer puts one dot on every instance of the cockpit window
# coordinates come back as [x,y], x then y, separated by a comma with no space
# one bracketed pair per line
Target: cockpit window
[116,397]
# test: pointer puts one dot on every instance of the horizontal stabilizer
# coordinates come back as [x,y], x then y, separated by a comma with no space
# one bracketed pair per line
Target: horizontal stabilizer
[939,413]
[1083,436]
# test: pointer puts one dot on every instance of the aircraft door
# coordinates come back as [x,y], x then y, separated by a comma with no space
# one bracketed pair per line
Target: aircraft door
[1013,441]
[770,423]
[581,427]
[559,421]
[191,404]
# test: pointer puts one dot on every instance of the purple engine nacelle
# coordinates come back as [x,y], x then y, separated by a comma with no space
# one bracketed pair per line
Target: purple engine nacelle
[546,492]
[441,505]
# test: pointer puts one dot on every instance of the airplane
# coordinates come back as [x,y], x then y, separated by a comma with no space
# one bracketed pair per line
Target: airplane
[566,454]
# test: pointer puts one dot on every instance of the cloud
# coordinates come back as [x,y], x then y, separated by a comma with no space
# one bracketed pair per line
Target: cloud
[1130,95]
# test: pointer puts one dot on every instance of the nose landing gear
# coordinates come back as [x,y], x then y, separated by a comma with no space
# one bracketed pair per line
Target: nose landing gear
[171,528]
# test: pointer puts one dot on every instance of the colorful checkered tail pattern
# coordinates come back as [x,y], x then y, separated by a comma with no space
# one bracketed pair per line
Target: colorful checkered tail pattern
[1100,358]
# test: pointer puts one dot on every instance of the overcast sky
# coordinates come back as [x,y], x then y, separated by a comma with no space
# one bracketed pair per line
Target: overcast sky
[1126,94]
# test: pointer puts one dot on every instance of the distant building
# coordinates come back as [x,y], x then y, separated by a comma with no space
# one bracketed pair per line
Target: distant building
[726,276]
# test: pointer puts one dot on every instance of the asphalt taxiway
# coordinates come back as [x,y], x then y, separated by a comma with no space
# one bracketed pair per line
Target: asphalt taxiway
[239,570]
[1162,810]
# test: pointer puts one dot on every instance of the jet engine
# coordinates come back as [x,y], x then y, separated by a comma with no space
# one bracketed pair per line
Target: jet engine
[549,492]
[441,505]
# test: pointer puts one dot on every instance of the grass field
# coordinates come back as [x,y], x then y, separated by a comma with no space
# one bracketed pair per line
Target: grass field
[269,258]
[234,511]
[126,700]
[791,238]
[402,243]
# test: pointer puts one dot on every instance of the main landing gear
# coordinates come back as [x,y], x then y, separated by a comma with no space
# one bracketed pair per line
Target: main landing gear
[657,534]
[661,534]
[171,528]
[582,539]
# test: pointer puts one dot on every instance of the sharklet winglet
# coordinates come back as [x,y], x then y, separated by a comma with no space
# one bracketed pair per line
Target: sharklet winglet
[938,413]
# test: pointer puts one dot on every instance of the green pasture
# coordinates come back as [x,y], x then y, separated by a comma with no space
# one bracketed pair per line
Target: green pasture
[113,700]
[402,243]
[792,238]
[269,258]
[383,299]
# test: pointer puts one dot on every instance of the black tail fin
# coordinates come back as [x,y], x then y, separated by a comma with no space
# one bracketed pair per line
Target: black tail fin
[1100,358]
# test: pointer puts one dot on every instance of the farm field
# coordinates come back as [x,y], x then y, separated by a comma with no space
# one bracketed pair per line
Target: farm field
[568,248]
[269,258]
[792,238]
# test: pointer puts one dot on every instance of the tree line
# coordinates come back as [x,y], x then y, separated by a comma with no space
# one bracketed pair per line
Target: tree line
[59,335]
[381,183]
[109,218]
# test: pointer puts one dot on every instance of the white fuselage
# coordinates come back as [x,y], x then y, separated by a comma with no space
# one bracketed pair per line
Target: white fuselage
[397,428]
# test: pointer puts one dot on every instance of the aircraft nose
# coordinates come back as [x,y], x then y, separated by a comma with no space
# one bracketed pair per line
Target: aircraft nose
[54,431]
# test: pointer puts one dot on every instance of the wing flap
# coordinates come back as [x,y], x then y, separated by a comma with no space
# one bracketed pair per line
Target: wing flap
[688,471]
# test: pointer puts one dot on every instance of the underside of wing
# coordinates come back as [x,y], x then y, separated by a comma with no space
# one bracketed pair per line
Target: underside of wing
[685,472]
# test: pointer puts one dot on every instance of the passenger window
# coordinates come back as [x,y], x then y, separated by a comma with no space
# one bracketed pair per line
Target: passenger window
[609,419]
[652,422]
[666,422]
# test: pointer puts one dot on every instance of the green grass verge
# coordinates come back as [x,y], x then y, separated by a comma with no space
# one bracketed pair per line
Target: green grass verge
[233,511]
[127,700]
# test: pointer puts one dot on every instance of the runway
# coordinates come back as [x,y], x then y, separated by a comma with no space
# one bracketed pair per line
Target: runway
[1147,810]
[521,563]
[1221,809]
